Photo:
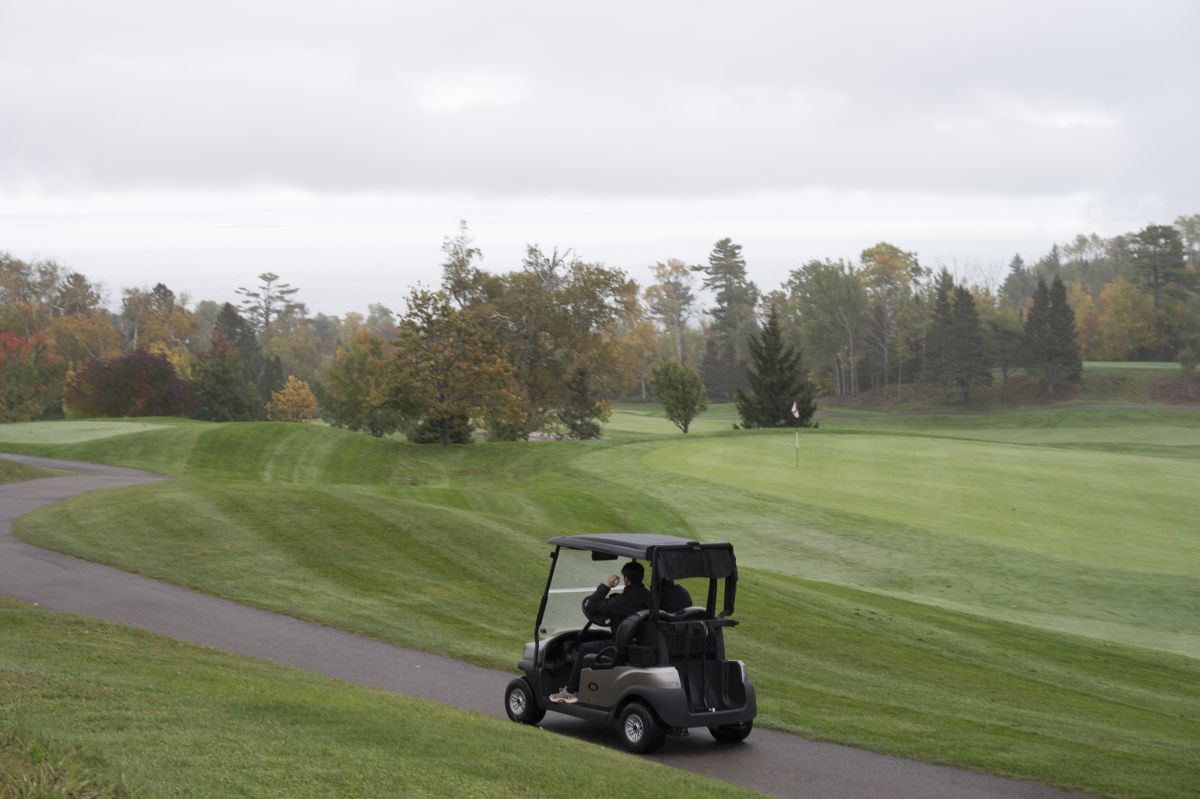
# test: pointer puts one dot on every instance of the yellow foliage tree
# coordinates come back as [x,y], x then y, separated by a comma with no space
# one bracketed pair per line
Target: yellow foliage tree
[292,403]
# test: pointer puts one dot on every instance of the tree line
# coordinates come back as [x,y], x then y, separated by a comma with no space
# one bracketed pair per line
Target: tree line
[545,347]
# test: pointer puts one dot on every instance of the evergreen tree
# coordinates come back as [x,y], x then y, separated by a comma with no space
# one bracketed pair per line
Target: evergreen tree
[1064,346]
[732,317]
[582,412]
[719,368]
[968,356]
[1017,284]
[1051,351]
[776,382]
[1158,260]
[938,356]
[225,395]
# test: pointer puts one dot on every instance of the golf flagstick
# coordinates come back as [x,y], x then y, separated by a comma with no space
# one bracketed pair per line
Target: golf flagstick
[796,413]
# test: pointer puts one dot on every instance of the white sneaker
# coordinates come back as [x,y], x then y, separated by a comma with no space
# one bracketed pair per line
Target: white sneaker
[564,697]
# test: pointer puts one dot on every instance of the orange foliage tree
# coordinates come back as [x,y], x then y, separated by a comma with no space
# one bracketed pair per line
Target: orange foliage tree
[292,403]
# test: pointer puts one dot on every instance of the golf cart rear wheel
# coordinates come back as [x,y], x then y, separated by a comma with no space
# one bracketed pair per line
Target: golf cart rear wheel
[731,733]
[640,731]
[520,703]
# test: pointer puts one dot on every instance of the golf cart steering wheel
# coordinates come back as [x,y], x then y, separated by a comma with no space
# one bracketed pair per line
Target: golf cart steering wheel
[592,616]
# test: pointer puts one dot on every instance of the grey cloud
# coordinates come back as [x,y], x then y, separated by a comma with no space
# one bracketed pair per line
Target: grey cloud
[617,99]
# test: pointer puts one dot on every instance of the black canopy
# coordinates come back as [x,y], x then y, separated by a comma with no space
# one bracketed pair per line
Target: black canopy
[673,558]
[627,545]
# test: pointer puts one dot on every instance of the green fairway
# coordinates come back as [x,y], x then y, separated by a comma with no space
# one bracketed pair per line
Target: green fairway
[1011,592]
[76,431]
[129,713]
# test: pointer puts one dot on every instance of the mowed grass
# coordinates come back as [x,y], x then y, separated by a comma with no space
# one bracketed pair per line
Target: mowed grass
[13,472]
[140,714]
[373,535]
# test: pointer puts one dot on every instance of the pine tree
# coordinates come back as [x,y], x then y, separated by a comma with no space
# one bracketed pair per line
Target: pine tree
[1051,350]
[582,412]
[776,381]
[968,354]
[938,366]
[1064,346]
[1036,346]
[732,318]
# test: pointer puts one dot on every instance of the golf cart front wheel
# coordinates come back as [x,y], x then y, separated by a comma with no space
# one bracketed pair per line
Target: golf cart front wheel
[520,703]
[731,733]
[640,731]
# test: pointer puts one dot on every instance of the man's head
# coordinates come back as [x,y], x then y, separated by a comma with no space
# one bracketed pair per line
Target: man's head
[634,572]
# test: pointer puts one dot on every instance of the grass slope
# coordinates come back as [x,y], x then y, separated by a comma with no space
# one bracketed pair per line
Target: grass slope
[129,712]
[13,472]
[367,534]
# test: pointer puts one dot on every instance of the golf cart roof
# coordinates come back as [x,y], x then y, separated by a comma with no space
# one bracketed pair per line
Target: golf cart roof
[627,545]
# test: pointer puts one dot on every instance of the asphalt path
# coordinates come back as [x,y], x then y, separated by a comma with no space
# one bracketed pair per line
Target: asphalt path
[773,763]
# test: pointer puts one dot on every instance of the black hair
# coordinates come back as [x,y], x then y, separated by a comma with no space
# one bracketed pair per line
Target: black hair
[635,571]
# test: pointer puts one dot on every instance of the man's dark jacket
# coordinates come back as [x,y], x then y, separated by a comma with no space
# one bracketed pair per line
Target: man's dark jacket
[617,607]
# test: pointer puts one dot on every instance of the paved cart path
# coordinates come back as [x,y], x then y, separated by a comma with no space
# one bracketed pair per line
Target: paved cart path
[771,762]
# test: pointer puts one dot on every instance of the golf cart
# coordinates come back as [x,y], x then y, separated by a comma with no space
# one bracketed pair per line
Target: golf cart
[660,672]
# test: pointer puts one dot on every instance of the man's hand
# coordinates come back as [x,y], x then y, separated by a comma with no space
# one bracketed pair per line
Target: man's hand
[613,581]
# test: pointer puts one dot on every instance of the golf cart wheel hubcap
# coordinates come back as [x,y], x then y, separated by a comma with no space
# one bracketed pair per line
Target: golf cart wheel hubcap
[516,702]
[634,728]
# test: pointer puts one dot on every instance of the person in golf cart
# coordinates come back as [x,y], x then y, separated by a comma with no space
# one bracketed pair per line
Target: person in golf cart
[615,608]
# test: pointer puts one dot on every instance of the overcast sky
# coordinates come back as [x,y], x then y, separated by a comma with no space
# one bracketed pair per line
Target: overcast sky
[199,144]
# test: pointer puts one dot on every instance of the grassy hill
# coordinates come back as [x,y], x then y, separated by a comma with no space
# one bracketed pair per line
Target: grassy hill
[96,711]
[1012,592]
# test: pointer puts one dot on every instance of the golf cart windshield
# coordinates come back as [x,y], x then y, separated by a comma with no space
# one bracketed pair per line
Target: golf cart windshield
[576,575]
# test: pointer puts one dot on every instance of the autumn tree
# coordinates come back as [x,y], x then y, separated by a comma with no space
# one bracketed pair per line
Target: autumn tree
[890,276]
[1126,320]
[831,303]
[137,383]
[27,294]
[30,378]
[362,387]
[449,369]
[292,403]
[776,381]
[462,280]
[1087,318]
[79,337]
[671,300]
[680,390]
[553,315]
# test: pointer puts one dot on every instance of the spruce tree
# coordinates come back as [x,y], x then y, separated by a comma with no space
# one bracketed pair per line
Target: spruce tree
[776,381]
[938,366]
[582,412]
[968,359]
[1064,346]
[1051,351]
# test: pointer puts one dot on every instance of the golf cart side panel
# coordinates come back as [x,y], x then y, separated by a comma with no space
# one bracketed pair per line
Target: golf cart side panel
[603,687]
